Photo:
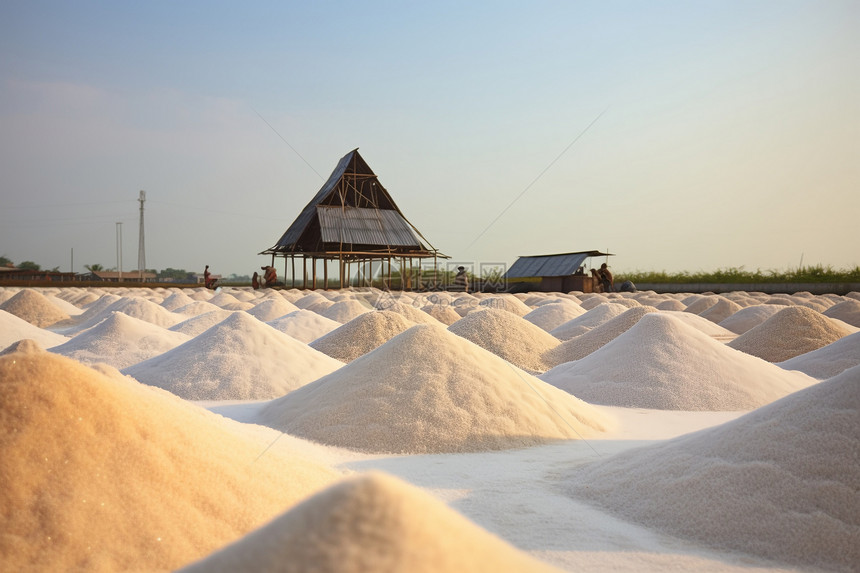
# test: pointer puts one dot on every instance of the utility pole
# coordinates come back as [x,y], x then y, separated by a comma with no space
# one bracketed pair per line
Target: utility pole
[141,249]
[119,250]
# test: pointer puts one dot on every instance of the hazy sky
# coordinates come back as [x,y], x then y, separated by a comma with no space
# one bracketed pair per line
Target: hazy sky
[727,133]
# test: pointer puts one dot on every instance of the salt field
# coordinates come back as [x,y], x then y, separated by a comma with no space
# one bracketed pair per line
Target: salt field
[361,430]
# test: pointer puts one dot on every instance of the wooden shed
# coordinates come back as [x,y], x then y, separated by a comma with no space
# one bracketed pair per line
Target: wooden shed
[562,272]
[353,223]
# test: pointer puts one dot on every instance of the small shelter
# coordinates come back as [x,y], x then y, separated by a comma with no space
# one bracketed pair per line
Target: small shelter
[354,221]
[563,272]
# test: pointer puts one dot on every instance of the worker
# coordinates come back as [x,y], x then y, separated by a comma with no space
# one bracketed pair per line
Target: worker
[270,275]
[255,281]
[605,278]
[461,281]
[208,281]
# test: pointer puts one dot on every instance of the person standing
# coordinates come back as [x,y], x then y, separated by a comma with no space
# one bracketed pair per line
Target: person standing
[606,279]
[208,281]
[461,280]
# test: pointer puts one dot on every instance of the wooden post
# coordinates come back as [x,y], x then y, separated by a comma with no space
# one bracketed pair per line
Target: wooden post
[305,269]
[314,273]
[325,274]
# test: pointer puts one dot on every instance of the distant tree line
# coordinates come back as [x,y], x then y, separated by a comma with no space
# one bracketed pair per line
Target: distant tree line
[167,275]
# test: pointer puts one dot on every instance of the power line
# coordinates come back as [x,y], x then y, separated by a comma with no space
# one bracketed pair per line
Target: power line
[288,143]
[535,180]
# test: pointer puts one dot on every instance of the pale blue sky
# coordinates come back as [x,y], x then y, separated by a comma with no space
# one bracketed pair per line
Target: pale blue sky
[728,136]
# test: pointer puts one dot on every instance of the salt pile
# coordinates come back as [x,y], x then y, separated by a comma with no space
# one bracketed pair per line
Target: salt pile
[671,304]
[13,329]
[240,358]
[827,361]
[780,482]
[33,307]
[104,474]
[345,310]
[176,300]
[120,340]
[64,306]
[663,364]
[720,311]
[136,307]
[444,313]
[583,345]
[227,301]
[551,316]
[200,323]
[506,302]
[197,308]
[713,330]
[701,303]
[749,317]
[508,336]
[847,311]
[373,522]
[304,325]
[272,308]
[793,331]
[593,301]
[428,390]
[591,319]
[361,335]
[411,313]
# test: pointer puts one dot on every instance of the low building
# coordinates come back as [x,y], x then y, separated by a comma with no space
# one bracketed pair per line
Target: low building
[125,276]
[562,272]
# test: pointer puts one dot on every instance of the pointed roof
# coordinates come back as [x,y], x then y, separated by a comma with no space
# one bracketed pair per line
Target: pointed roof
[352,211]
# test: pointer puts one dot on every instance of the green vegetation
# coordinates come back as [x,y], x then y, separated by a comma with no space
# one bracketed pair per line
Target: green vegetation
[810,274]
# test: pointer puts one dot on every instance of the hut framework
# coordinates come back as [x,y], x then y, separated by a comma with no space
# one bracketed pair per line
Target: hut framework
[353,222]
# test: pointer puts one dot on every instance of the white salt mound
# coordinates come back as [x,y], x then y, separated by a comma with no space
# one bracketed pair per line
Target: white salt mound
[670,304]
[713,330]
[551,316]
[196,308]
[428,390]
[370,523]
[722,310]
[508,336]
[345,310]
[444,313]
[411,313]
[827,361]
[361,335]
[585,344]
[120,340]
[662,363]
[35,308]
[27,346]
[103,474]
[506,302]
[702,303]
[176,300]
[793,331]
[200,323]
[271,308]
[304,325]
[780,482]
[846,311]
[749,317]
[239,358]
[591,319]
[13,329]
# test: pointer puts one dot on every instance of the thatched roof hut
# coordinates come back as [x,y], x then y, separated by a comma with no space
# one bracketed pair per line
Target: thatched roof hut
[353,220]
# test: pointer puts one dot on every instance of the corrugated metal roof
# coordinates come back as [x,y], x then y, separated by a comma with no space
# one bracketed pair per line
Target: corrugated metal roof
[357,226]
[561,265]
